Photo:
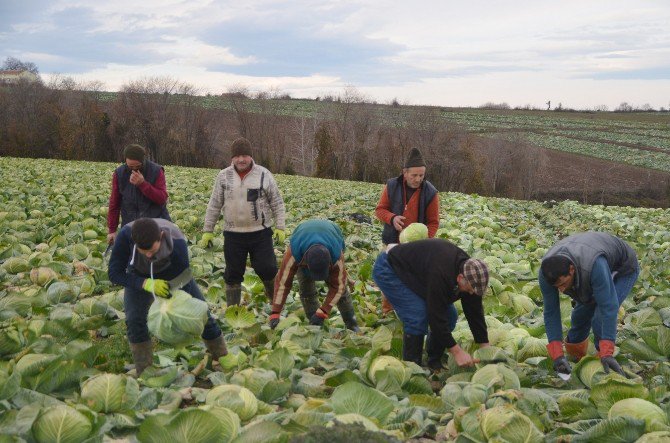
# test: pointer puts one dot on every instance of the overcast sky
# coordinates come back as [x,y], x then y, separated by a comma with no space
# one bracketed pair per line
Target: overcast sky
[450,53]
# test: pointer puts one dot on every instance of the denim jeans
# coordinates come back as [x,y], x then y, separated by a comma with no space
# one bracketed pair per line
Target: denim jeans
[136,304]
[585,317]
[410,307]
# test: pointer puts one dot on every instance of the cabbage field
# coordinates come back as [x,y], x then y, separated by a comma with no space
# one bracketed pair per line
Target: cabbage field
[64,355]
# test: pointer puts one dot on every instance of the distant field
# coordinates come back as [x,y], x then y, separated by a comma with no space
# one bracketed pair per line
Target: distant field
[640,139]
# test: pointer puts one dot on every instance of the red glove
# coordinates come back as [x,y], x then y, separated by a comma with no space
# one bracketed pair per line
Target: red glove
[606,348]
[555,349]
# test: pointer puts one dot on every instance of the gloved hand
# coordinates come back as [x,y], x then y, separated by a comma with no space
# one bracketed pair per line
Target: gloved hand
[610,363]
[157,287]
[562,365]
[318,317]
[606,353]
[206,240]
[279,236]
[274,320]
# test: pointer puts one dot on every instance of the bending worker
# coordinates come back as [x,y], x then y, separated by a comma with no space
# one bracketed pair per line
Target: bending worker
[423,279]
[316,252]
[597,270]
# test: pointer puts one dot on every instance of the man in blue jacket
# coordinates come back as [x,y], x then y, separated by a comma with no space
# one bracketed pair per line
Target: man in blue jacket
[149,253]
[316,252]
[597,270]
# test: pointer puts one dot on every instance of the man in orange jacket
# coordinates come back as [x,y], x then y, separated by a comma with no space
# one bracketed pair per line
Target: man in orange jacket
[407,199]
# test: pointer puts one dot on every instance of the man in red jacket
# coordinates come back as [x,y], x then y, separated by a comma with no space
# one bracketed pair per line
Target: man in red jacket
[407,199]
[138,190]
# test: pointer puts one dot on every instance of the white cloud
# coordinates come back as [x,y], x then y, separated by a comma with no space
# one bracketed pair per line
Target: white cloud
[443,51]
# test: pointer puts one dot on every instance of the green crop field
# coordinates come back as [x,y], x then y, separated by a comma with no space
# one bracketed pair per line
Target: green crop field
[63,347]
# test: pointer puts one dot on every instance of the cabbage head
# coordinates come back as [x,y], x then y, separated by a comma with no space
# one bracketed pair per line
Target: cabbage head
[463,394]
[42,275]
[61,423]
[236,398]
[110,393]
[497,377]
[394,367]
[507,424]
[589,370]
[61,292]
[178,320]
[653,416]
[413,232]
[14,265]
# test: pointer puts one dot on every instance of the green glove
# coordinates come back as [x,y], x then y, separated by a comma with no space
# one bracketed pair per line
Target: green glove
[206,241]
[279,235]
[157,287]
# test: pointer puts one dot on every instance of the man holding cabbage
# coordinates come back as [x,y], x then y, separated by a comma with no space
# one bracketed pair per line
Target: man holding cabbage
[423,279]
[407,199]
[315,253]
[597,270]
[150,257]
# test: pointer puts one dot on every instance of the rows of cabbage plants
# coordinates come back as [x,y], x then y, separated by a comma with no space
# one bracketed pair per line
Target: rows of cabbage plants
[63,349]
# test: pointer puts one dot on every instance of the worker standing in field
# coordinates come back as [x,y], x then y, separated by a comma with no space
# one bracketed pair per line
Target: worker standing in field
[138,190]
[423,279]
[149,256]
[597,270]
[315,253]
[248,197]
[407,199]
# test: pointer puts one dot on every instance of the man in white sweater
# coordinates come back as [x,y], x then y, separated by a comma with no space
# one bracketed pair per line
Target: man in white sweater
[247,196]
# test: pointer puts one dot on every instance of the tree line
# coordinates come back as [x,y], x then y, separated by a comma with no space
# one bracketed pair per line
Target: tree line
[348,138]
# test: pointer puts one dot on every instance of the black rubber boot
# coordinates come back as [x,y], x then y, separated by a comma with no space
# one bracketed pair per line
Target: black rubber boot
[233,294]
[269,288]
[143,355]
[346,307]
[412,348]
[307,289]
[435,352]
[216,347]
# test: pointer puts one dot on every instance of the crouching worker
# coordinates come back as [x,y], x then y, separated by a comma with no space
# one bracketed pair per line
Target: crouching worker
[597,270]
[150,255]
[422,280]
[315,253]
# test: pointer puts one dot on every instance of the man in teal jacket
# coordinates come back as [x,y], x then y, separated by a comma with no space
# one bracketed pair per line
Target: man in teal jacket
[316,252]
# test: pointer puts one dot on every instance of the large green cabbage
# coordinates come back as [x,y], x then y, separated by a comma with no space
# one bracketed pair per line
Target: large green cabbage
[653,416]
[61,424]
[110,393]
[178,320]
[496,377]
[236,398]
[507,424]
[413,232]
[394,367]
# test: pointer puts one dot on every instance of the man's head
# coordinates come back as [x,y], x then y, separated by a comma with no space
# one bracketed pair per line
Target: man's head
[240,151]
[475,277]
[317,259]
[414,170]
[147,236]
[134,156]
[559,272]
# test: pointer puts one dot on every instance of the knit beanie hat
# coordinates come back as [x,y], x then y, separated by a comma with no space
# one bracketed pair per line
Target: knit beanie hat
[414,159]
[241,146]
[134,152]
[317,259]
